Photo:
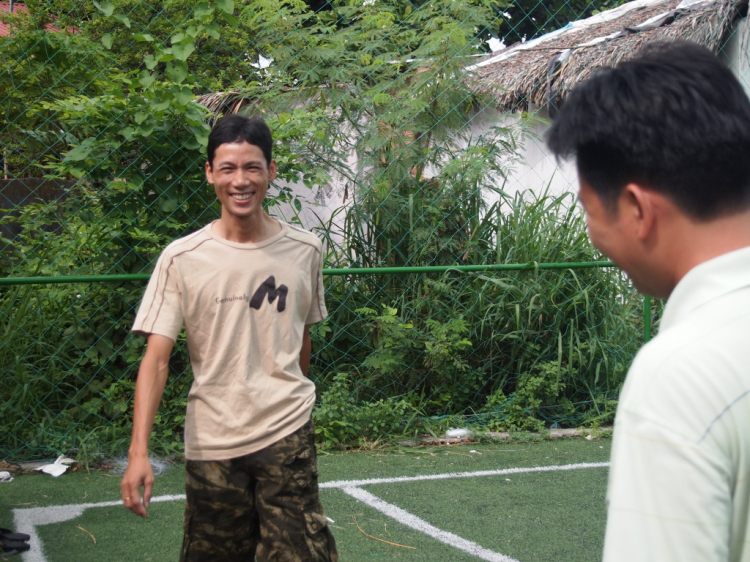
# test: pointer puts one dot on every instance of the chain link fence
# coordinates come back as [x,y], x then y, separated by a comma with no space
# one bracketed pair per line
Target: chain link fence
[460,283]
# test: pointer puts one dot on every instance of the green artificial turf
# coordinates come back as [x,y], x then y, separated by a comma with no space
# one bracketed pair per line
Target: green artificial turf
[530,516]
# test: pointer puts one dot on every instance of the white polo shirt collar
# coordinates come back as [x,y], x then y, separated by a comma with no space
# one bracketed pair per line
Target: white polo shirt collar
[706,282]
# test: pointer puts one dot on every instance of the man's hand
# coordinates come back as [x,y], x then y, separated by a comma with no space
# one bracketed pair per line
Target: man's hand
[138,474]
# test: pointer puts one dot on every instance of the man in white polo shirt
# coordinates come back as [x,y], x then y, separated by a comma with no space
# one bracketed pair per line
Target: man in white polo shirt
[662,146]
[246,287]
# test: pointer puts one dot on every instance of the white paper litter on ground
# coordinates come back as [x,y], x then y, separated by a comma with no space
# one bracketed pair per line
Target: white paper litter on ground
[58,467]
[454,433]
[5,476]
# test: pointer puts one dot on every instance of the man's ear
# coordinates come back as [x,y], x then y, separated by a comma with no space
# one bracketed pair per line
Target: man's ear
[272,170]
[640,205]
[209,173]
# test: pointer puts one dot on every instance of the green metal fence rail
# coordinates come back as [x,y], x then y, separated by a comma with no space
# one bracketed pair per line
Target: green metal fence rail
[460,282]
[349,271]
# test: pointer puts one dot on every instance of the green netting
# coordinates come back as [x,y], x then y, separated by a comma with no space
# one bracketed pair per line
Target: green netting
[459,279]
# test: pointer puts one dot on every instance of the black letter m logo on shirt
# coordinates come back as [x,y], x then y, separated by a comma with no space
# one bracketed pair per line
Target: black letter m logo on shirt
[268,287]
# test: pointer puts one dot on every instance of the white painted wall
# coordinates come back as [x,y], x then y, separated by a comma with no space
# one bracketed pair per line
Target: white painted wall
[736,53]
[534,170]
[538,169]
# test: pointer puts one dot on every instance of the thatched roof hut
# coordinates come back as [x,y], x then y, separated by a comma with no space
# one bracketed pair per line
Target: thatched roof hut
[544,70]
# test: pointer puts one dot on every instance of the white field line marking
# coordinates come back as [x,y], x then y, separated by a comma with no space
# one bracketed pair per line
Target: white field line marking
[30,518]
[27,519]
[351,487]
[406,518]
[451,475]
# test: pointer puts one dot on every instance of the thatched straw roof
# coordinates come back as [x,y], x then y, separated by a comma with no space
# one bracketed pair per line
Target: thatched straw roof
[520,75]
[224,103]
[234,101]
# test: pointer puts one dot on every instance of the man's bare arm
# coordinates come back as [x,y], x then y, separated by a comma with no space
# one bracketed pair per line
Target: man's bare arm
[152,377]
[304,356]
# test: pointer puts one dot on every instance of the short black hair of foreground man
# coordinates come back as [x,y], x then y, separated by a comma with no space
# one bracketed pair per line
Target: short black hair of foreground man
[662,146]
[246,288]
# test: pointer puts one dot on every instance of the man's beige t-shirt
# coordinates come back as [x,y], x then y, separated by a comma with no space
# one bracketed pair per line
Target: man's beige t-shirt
[244,308]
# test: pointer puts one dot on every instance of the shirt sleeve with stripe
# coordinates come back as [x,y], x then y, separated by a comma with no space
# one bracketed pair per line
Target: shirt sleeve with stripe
[318,309]
[160,311]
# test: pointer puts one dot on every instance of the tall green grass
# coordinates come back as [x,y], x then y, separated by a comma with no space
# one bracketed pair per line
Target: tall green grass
[67,360]
[518,350]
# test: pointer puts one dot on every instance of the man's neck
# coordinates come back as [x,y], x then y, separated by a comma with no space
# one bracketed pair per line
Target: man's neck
[249,231]
[709,240]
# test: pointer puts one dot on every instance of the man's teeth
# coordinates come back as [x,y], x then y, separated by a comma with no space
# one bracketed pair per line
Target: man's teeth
[242,196]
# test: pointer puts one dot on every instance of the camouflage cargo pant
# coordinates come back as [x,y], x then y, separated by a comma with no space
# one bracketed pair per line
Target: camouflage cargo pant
[262,505]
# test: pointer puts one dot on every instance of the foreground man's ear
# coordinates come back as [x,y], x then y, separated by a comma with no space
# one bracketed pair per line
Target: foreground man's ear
[640,207]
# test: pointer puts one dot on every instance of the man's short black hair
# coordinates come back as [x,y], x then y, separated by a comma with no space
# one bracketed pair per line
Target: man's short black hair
[674,119]
[237,128]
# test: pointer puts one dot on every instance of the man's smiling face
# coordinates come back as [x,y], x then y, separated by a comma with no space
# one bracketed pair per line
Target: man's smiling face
[240,175]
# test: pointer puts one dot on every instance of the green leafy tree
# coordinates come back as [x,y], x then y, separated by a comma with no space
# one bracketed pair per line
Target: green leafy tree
[38,65]
[519,20]
[134,31]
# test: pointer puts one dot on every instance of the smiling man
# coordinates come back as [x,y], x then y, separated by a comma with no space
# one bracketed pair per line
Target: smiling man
[662,147]
[246,288]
